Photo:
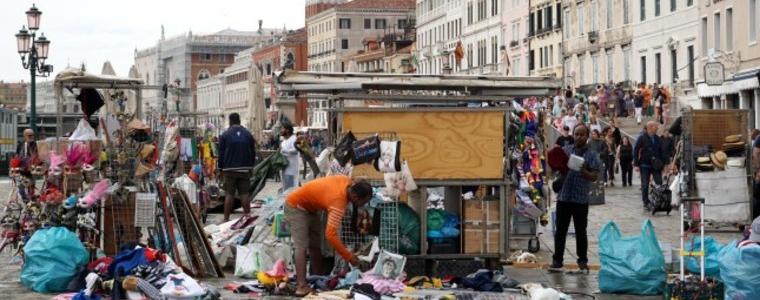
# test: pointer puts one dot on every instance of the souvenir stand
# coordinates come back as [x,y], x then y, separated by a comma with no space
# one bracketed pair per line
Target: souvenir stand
[452,132]
[132,206]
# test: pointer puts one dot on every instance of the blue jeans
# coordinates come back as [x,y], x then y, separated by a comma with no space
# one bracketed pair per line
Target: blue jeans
[288,181]
[647,171]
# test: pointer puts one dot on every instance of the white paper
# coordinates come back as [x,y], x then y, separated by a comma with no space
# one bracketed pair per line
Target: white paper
[145,210]
[575,163]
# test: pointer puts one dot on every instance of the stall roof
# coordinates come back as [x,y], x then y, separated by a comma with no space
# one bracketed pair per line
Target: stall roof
[482,85]
[77,77]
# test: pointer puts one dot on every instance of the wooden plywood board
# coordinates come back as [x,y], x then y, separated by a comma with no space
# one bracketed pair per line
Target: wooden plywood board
[439,145]
[711,127]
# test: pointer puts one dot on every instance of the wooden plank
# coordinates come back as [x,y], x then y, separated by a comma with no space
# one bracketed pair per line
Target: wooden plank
[711,127]
[439,145]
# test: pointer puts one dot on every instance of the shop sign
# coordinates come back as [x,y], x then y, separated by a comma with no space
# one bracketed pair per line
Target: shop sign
[714,73]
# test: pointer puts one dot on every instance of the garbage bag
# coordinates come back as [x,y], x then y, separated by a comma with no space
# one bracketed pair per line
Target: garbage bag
[712,248]
[409,233]
[738,271]
[631,265]
[51,259]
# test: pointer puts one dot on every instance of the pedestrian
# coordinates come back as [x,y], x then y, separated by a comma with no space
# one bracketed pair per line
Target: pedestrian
[649,159]
[573,201]
[649,109]
[237,155]
[601,96]
[625,161]
[288,149]
[668,145]
[27,149]
[611,145]
[628,102]
[638,104]
[570,120]
[303,208]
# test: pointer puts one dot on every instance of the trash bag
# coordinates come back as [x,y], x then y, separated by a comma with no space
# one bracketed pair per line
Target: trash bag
[738,271]
[712,248]
[409,230]
[631,265]
[51,259]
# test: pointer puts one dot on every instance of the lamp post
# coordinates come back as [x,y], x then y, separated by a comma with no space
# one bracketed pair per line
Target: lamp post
[34,52]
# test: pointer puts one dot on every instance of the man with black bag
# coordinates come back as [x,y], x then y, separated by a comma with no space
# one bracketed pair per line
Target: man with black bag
[649,159]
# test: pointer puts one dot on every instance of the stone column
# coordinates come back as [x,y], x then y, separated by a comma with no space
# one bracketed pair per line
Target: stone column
[716,103]
[757,107]
[743,101]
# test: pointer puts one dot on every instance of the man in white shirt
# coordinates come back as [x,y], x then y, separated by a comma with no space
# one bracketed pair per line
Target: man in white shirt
[288,149]
[569,121]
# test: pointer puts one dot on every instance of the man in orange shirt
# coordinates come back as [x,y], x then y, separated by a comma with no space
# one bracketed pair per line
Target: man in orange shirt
[330,194]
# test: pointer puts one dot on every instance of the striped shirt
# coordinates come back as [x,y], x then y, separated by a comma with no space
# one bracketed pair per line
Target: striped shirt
[325,194]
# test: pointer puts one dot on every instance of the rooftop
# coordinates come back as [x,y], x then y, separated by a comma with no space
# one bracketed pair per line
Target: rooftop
[385,4]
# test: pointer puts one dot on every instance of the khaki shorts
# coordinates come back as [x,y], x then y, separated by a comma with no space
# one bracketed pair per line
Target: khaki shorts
[305,228]
[236,183]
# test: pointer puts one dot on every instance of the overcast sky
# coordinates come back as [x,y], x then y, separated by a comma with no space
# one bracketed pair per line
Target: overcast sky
[93,31]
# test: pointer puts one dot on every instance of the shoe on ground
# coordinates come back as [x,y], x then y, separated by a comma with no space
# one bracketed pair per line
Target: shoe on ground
[556,267]
[582,269]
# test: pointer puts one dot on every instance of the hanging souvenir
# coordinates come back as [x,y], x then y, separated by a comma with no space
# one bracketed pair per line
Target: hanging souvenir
[390,157]
[365,150]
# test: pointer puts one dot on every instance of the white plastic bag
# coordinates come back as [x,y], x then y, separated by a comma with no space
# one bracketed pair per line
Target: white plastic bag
[248,260]
[83,132]
[675,199]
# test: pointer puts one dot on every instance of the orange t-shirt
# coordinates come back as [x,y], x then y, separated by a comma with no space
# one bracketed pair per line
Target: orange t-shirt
[325,194]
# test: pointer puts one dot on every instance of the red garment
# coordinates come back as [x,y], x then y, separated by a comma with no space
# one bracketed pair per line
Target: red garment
[100,265]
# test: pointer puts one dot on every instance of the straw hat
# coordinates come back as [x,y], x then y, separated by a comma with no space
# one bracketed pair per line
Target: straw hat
[734,138]
[719,159]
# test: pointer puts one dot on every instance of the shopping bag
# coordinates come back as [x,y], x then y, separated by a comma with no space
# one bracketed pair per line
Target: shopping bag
[675,199]
[343,151]
[631,265]
[712,248]
[365,150]
[250,260]
[739,271]
[51,259]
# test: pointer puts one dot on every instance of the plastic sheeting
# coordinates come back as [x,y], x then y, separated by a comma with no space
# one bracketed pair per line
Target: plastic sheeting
[51,259]
[631,265]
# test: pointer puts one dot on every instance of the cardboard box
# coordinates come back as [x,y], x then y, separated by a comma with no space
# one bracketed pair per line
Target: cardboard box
[482,212]
[480,239]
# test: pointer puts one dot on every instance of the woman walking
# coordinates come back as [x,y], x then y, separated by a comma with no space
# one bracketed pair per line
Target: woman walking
[625,159]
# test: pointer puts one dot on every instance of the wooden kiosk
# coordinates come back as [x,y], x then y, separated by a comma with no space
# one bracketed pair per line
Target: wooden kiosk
[453,132]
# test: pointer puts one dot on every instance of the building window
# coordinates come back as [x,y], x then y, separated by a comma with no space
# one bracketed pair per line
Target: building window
[609,14]
[367,23]
[379,23]
[627,63]
[531,60]
[729,29]
[559,10]
[203,74]
[595,67]
[566,29]
[469,57]
[206,57]
[610,71]
[657,68]
[580,19]
[690,57]
[626,18]
[344,44]
[643,10]
[469,13]
[344,23]
[548,17]
[704,37]
[582,69]
[494,7]
[673,66]
[643,69]
[716,31]
[269,69]
[656,8]
[673,5]
[753,21]
[402,24]
[494,50]
[594,16]
[689,2]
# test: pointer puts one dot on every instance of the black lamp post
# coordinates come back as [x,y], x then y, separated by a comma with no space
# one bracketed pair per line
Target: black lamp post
[34,52]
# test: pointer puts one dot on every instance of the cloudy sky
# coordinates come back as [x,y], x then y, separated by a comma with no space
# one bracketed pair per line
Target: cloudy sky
[93,31]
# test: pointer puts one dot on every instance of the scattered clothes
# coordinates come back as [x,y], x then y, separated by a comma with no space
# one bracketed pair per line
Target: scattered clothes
[318,282]
[154,273]
[66,296]
[126,261]
[181,286]
[365,291]
[83,296]
[505,281]
[148,289]
[381,284]
[482,281]
[100,265]
[424,282]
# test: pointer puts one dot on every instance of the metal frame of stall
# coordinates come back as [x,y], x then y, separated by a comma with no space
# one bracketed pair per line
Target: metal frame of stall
[439,93]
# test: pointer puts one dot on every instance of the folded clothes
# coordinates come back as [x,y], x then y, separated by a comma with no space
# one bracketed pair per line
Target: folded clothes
[382,285]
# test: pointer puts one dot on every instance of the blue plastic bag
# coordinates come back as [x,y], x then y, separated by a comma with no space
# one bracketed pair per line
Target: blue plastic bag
[631,265]
[51,258]
[712,248]
[739,271]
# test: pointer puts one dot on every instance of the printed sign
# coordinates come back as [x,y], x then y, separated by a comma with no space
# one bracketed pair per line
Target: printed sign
[714,73]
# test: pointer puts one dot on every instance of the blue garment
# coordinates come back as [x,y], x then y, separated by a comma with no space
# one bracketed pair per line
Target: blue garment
[126,261]
[646,148]
[575,188]
[237,149]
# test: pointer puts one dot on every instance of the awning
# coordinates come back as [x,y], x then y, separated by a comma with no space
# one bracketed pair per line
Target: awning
[741,81]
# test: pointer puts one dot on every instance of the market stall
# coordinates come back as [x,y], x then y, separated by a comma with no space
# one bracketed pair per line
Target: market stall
[453,133]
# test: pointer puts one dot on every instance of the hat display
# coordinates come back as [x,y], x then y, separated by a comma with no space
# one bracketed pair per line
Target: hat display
[704,164]
[719,159]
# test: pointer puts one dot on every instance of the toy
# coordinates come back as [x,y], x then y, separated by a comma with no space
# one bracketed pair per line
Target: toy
[93,196]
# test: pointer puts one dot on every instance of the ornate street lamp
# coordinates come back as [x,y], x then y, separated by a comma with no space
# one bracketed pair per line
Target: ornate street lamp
[34,52]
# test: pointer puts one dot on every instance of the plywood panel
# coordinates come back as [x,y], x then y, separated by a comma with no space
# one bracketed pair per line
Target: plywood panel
[711,127]
[440,145]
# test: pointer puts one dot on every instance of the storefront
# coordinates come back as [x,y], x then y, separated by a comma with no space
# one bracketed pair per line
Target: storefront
[742,91]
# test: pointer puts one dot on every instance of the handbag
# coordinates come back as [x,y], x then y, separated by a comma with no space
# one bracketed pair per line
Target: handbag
[389,160]
[365,150]
[343,151]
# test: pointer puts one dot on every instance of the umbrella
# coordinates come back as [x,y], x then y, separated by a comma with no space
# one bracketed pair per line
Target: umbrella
[265,169]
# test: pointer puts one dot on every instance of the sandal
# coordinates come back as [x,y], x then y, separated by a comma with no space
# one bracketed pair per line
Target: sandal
[303,292]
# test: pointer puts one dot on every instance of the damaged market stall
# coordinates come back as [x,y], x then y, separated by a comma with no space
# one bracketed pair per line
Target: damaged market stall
[452,132]
[81,204]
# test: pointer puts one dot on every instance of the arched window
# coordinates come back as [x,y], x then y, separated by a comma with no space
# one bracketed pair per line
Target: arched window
[203,74]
